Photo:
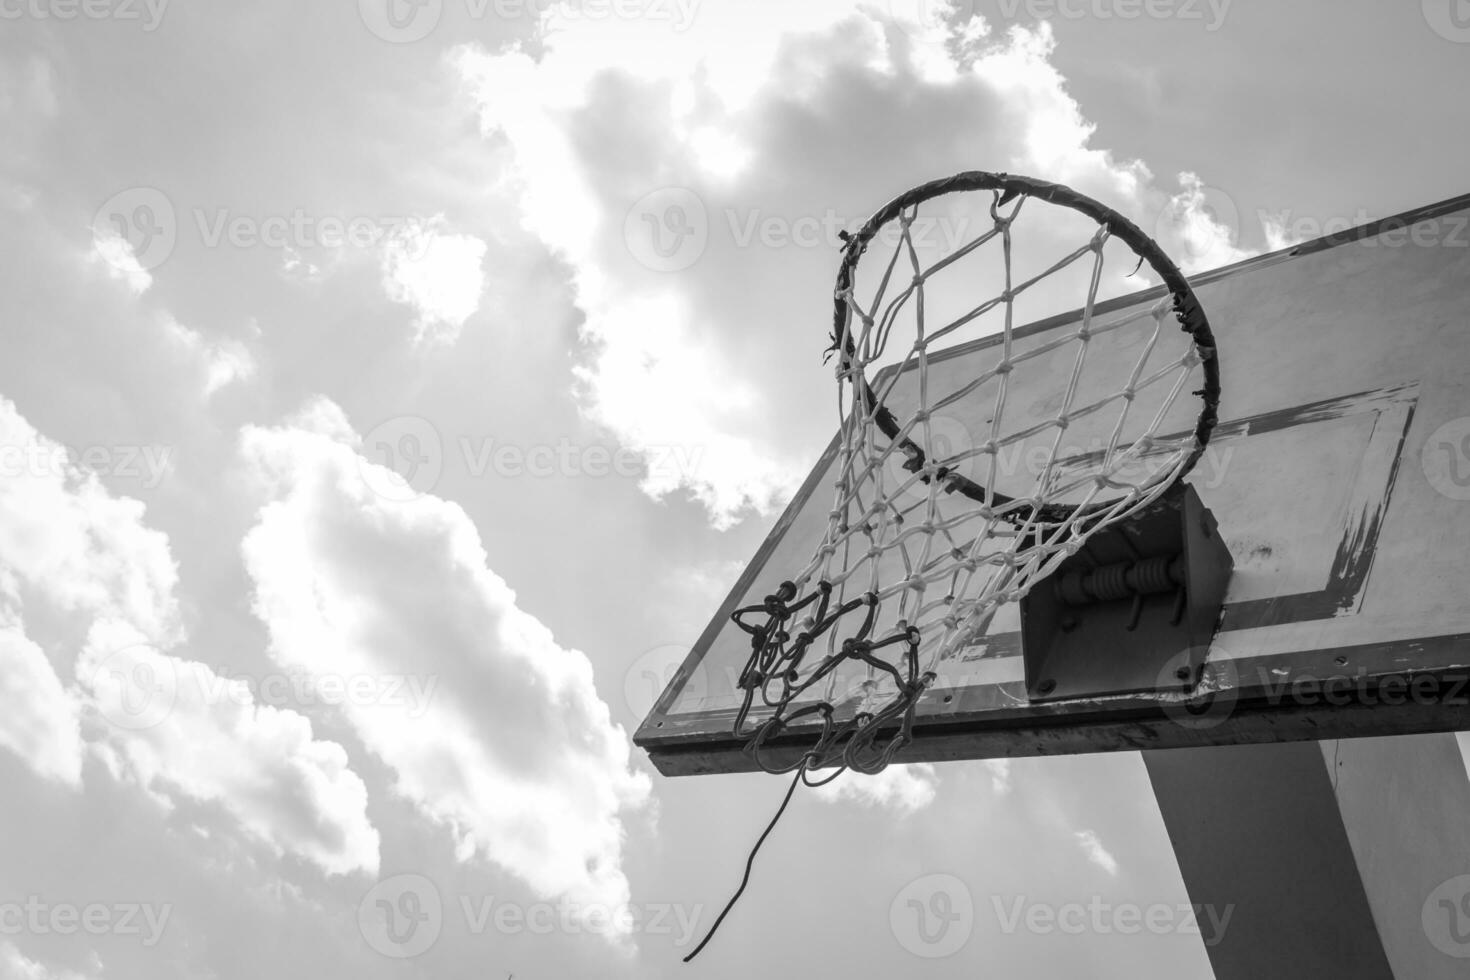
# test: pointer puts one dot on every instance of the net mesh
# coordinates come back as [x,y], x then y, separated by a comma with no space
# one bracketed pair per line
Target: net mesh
[927,539]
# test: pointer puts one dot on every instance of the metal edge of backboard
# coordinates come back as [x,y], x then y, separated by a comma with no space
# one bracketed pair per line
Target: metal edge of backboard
[656,726]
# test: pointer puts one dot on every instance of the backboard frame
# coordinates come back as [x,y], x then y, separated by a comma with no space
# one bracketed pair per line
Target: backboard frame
[1352,682]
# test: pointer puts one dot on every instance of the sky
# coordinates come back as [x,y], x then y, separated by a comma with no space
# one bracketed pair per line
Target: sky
[365,450]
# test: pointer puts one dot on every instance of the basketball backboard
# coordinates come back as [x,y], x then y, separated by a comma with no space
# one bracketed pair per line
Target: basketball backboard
[1339,475]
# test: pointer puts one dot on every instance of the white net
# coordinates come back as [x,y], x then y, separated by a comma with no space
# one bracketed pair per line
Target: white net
[953,493]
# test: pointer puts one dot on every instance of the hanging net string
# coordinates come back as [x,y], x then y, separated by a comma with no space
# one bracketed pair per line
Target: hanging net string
[926,541]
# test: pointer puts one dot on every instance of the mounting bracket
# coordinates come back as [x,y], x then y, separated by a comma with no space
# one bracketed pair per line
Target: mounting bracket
[1133,611]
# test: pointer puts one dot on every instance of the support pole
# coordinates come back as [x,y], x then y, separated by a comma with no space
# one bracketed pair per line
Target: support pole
[1328,855]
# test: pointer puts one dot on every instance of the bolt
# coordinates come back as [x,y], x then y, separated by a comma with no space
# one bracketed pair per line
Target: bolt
[1183,673]
[1047,686]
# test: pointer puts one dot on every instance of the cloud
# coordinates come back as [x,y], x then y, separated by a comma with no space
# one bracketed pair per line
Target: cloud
[98,580]
[223,362]
[115,255]
[712,339]
[904,788]
[1096,853]
[1199,225]
[16,966]
[214,743]
[515,754]
[438,274]
[38,718]
[1000,775]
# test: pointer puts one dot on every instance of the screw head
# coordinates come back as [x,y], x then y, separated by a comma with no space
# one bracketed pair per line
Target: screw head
[1047,686]
[1184,673]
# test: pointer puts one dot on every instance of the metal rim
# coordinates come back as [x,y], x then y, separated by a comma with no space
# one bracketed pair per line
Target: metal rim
[1187,309]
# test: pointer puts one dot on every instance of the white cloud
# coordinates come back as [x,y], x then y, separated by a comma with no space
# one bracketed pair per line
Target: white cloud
[84,550]
[722,353]
[1201,236]
[904,788]
[1000,775]
[1278,234]
[38,719]
[1096,852]
[516,755]
[75,554]
[115,255]
[14,965]
[223,362]
[213,742]
[438,274]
